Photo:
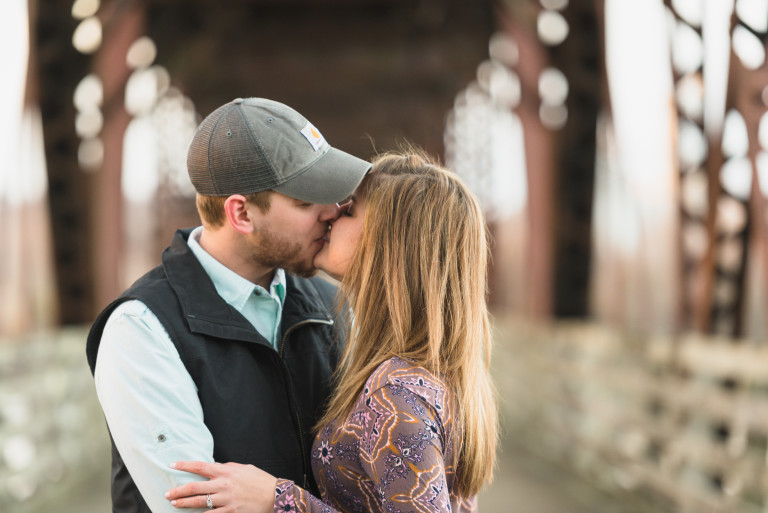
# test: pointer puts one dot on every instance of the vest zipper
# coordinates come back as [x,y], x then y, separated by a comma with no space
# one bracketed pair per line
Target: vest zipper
[327,322]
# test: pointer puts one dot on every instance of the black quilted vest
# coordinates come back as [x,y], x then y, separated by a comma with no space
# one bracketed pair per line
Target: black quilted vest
[259,404]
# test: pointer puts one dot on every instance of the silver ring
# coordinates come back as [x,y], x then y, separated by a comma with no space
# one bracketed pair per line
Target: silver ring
[208,501]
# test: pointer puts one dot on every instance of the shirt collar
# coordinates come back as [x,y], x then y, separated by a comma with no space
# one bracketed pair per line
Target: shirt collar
[233,288]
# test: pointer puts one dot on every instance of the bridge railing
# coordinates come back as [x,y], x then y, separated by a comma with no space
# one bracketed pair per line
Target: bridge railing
[674,424]
[53,437]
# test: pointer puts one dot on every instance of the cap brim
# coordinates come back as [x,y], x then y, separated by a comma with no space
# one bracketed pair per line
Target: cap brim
[333,178]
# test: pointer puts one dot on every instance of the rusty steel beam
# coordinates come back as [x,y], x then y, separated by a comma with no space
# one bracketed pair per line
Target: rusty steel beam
[580,58]
[696,280]
[123,23]
[747,88]
[59,68]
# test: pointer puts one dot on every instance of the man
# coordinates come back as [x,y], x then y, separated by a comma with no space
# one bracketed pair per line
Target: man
[221,353]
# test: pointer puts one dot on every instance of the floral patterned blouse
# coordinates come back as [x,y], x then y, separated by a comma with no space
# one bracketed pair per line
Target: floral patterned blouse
[392,454]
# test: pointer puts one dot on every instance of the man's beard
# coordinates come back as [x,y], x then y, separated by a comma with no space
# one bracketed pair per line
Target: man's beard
[270,250]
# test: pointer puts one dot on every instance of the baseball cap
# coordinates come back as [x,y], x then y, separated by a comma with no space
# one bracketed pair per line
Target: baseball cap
[254,144]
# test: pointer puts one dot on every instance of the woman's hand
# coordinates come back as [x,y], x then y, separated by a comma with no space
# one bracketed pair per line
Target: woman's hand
[231,488]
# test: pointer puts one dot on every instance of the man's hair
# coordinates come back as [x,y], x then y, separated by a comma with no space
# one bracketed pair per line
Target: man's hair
[211,208]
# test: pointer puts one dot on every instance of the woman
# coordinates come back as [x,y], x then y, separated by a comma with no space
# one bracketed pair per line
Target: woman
[412,424]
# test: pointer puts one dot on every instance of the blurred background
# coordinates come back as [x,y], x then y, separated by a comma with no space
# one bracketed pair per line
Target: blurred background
[620,150]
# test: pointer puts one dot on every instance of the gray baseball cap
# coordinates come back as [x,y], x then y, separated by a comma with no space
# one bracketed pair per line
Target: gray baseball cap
[253,144]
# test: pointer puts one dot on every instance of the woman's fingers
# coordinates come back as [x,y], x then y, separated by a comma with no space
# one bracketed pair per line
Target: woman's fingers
[197,501]
[189,490]
[200,468]
[195,488]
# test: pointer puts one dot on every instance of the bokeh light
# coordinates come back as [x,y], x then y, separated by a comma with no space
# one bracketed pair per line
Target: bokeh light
[501,83]
[553,117]
[753,13]
[689,95]
[735,139]
[143,89]
[15,410]
[142,53]
[88,98]
[21,486]
[748,48]
[687,49]
[732,215]
[736,177]
[553,86]
[557,5]
[689,10]
[88,124]
[90,154]
[504,49]
[729,254]
[552,28]
[695,240]
[761,165]
[89,93]
[484,141]
[19,452]
[694,189]
[87,36]
[82,9]
[692,145]
[505,88]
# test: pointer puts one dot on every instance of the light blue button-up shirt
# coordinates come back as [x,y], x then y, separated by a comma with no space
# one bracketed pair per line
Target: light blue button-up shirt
[263,309]
[149,399]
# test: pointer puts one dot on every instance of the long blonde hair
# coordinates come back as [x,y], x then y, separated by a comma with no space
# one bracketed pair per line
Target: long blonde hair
[416,288]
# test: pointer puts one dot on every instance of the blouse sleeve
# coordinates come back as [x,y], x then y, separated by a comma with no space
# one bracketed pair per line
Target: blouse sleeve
[406,458]
[401,449]
[290,497]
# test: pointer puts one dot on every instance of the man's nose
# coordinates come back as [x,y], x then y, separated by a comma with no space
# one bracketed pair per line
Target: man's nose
[330,213]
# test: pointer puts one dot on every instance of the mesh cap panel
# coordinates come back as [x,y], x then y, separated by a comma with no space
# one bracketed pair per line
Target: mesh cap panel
[225,157]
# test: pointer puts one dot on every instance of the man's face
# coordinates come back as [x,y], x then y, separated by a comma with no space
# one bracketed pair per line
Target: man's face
[290,234]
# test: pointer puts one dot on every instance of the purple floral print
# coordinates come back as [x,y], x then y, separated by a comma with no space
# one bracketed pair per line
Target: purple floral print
[392,454]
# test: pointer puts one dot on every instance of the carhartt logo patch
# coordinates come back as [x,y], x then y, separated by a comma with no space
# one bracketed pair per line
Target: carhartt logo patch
[313,135]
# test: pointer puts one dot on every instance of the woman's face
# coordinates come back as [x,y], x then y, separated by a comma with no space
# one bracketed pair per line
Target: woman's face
[343,237]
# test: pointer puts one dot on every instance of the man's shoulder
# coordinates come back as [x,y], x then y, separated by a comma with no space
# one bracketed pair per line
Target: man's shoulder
[130,308]
[154,276]
[137,300]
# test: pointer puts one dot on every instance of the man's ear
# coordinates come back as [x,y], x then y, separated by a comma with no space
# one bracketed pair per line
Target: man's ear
[235,207]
